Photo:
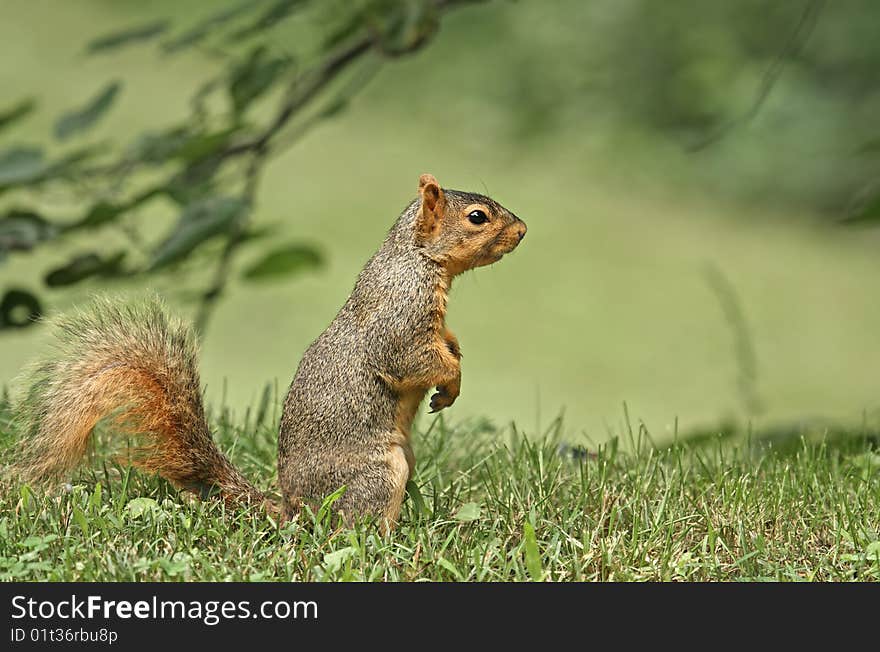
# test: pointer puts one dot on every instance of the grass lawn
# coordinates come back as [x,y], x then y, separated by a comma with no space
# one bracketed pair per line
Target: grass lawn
[485,505]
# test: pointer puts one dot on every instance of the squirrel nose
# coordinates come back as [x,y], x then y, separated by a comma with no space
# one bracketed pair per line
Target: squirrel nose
[522,230]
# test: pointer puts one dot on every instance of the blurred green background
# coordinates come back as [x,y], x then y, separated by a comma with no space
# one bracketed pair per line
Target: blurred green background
[660,188]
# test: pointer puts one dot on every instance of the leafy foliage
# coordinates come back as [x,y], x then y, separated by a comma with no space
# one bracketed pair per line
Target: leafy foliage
[77,121]
[127,36]
[17,112]
[253,77]
[22,231]
[289,259]
[18,308]
[85,266]
[21,165]
[207,166]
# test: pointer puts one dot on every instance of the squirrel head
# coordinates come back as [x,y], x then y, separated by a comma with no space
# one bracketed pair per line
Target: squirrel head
[463,230]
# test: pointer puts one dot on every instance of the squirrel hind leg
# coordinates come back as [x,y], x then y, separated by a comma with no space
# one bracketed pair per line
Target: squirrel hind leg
[400,470]
[378,488]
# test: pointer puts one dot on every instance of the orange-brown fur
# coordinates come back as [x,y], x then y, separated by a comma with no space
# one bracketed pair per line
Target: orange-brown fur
[138,368]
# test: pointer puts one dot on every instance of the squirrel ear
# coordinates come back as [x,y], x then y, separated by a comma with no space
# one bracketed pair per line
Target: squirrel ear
[426,179]
[431,210]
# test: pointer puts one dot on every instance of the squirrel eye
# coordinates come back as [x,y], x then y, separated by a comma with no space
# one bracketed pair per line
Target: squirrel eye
[477,217]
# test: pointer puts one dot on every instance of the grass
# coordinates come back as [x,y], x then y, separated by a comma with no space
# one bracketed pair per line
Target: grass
[485,505]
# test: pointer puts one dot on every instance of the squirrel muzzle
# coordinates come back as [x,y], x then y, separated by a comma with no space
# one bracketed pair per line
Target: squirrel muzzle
[507,240]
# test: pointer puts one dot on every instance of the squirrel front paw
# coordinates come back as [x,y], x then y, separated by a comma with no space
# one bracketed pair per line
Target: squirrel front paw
[452,344]
[443,398]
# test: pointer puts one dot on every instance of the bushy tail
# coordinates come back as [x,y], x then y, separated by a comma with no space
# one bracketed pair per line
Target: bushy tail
[138,368]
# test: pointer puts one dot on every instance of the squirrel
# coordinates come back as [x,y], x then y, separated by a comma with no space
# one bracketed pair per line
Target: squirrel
[347,417]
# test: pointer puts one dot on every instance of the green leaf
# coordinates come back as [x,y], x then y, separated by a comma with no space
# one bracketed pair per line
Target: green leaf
[81,520]
[412,488]
[326,511]
[468,512]
[332,498]
[202,29]
[253,77]
[79,120]
[278,11]
[193,184]
[199,222]
[23,230]
[105,212]
[127,36]
[85,266]
[139,506]
[21,165]
[179,143]
[333,561]
[284,261]
[26,165]
[19,309]
[449,566]
[18,111]
[175,567]
[67,164]
[257,233]
[95,498]
[38,541]
[158,147]
[99,214]
[27,496]
[533,557]
[200,146]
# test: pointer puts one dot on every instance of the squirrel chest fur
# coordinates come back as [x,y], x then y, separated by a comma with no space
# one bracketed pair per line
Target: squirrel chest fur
[347,417]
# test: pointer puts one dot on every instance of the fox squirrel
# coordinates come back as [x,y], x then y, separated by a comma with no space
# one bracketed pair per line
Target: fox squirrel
[347,417]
